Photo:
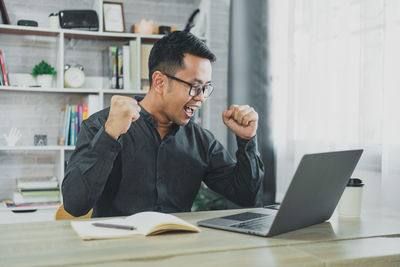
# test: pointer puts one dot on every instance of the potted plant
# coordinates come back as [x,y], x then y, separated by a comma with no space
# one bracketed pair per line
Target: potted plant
[207,199]
[44,73]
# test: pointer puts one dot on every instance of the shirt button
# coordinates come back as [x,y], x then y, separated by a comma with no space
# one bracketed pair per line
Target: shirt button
[114,148]
[159,177]
[158,208]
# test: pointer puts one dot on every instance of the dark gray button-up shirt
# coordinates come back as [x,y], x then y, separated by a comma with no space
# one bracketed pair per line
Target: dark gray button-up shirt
[142,172]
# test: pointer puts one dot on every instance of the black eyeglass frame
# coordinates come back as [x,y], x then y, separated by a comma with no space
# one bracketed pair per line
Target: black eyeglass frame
[194,87]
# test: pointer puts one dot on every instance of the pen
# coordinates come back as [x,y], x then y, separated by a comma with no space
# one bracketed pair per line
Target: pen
[115,226]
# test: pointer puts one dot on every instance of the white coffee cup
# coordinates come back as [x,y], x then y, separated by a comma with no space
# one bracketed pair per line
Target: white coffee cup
[350,202]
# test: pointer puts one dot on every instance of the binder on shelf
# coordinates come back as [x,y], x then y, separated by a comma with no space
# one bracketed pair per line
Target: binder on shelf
[126,67]
[61,139]
[93,103]
[144,68]
[133,64]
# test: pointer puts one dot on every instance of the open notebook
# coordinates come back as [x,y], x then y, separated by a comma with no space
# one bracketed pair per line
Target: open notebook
[145,223]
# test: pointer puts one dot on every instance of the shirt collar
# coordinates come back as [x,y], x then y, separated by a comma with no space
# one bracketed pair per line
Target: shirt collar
[151,119]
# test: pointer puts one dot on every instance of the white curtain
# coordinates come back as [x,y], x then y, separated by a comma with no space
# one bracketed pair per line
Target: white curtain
[335,77]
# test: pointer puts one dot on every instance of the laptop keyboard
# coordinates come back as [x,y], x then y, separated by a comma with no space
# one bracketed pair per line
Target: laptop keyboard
[259,224]
[245,216]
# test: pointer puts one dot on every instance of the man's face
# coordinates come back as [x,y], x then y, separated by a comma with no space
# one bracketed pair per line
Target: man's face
[179,106]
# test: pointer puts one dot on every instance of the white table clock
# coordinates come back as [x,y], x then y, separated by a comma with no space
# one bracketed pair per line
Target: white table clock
[74,77]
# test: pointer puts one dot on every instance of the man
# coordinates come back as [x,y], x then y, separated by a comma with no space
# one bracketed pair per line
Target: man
[146,153]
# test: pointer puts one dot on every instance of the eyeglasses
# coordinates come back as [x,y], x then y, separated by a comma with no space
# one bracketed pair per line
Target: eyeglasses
[195,88]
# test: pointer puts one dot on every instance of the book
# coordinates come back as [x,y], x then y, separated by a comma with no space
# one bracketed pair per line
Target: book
[134,75]
[61,133]
[1,77]
[85,112]
[67,125]
[37,183]
[5,65]
[40,192]
[80,116]
[112,66]
[144,67]
[146,223]
[20,199]
[3,68]
[73,134]
[126,66]
[76,122]
[11,205]
[120,70]
[93,103]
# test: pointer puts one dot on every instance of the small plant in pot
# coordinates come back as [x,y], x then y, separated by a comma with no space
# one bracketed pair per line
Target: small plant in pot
[44,73]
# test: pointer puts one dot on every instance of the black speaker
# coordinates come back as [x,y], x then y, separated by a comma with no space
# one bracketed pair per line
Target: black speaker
[82,19]
[25,22]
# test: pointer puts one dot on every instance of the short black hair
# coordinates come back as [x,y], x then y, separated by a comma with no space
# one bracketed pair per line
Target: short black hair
[168,52]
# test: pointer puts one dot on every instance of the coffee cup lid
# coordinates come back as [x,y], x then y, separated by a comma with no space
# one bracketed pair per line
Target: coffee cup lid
[355,182]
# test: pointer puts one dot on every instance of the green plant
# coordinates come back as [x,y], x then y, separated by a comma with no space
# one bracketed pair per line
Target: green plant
[43,68]
[207,199]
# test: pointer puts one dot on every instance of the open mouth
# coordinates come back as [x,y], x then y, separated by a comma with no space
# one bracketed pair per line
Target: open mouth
[190,110]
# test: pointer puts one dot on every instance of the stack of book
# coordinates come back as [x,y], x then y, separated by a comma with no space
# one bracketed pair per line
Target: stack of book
[122,66]
[70,123]
[36,191]
[3,72]
[119,65]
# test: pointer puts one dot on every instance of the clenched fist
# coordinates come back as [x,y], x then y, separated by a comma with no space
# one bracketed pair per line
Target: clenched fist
[123,111]
[241,120]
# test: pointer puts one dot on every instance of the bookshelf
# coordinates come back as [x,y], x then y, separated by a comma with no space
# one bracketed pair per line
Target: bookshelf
[61,45]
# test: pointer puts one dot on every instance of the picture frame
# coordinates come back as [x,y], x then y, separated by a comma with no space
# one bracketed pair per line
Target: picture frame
[114,19]
[40,140]
[3,13]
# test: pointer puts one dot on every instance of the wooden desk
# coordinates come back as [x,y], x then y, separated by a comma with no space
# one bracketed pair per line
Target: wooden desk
[374,239]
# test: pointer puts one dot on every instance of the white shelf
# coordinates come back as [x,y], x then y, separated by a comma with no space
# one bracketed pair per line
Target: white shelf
[26,30]
[48,90]
[3,207]
[71,90]
[36,148]
[78,34]
[24,215]
[124,91]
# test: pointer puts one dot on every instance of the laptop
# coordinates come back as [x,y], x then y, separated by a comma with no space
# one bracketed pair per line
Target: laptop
[311,198]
